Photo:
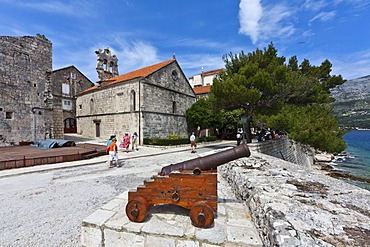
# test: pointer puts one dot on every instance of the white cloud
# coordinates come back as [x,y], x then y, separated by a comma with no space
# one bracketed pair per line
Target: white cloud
[315,5]
[78,8]
[137,55]
[324,16]
[250,13]
[274,23]
[308,33]
[131,54]
[192,64]
[352,66]
[190,42]
[264,23]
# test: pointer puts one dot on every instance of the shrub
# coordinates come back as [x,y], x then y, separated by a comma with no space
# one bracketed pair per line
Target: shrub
[174,136]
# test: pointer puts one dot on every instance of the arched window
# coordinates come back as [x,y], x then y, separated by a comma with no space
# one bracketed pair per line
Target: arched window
[70,125]
[133,101]
[91,105]
[111,67]
[174,107]
[105,65]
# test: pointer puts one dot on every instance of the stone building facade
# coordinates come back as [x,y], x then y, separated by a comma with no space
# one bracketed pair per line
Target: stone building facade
[202,83]
[67,83]
[26,100]
[150,101]
[205,78]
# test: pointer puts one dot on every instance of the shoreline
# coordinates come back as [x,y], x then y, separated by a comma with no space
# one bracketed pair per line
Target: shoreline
[340,174]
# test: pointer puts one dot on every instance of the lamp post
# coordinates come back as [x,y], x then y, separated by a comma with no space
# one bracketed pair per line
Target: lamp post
[244,121]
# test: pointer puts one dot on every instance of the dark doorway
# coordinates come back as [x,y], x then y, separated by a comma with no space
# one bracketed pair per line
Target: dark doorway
[97,129]
[70,125]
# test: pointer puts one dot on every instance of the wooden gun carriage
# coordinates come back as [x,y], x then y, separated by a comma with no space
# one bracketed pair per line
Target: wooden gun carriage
[191,184]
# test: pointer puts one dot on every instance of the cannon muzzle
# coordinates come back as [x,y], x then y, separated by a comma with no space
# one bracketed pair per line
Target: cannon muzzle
[210,161]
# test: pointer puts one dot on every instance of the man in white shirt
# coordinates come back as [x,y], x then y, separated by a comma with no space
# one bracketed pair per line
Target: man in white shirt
[193,144]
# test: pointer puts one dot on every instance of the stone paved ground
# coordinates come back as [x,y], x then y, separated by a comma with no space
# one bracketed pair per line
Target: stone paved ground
[168,225]
[45,205]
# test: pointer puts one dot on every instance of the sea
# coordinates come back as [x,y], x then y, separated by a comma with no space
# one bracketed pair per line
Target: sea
[357,160]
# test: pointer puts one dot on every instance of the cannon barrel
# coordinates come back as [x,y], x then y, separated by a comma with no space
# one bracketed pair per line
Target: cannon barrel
[210,161]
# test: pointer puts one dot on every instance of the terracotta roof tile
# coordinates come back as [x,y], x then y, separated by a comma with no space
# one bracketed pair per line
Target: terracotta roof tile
[143,72]
[139,73]
[215,71]
[202,90]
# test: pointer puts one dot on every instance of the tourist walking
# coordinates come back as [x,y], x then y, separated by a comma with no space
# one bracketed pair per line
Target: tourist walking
[109,142]
[134,141]
[113,153]
[193,144]
[125,142]
[239,137]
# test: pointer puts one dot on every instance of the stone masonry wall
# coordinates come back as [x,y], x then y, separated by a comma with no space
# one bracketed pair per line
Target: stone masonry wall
[25,94]
[293,205]
[155,114]
[112,108]
[77,82]
[159,92]
[286,149]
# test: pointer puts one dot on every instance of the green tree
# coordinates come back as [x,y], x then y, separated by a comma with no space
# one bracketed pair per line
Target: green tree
[201,115]
[314,125]
[41,36]
[262,84]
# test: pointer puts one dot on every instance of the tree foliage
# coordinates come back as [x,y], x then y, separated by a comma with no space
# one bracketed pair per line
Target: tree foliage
[313,124]
[201,115]
[263,84]
[41,36]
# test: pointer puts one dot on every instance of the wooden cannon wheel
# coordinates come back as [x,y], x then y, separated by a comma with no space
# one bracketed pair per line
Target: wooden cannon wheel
[201,215]
[137,209]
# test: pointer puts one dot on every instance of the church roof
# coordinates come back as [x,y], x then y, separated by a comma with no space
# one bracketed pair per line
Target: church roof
[143,72]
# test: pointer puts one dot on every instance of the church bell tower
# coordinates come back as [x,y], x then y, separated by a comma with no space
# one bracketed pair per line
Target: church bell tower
[107,64]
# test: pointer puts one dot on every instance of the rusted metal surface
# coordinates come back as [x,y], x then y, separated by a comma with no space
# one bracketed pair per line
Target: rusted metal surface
[209,162]
[24,156]
[179,185]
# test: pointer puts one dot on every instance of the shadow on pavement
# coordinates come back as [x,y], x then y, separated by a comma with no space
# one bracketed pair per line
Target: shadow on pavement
[76,138]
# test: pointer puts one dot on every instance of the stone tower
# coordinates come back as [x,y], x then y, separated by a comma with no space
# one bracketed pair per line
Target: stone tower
[107,64]
[27,106]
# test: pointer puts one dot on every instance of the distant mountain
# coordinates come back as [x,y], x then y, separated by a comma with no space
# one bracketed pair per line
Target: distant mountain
[353,102]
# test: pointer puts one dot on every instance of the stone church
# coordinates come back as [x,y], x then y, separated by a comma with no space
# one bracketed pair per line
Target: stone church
[151,101]
[35,102]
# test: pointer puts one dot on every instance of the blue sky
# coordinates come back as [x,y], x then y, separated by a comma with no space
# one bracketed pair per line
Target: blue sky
[144,32]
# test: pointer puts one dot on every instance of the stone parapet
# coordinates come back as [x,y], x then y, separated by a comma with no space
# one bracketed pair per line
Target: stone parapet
[169,225]
[295,206]
[286,149]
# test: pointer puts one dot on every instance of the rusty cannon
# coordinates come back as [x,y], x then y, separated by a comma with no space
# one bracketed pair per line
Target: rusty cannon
[191,184]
